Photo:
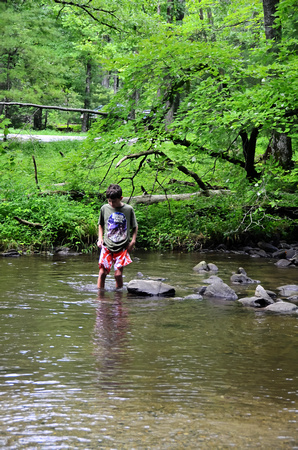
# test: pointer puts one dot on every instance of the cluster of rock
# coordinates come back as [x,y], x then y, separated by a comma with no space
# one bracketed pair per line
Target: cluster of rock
[11,253]
[214,287]
[286,254]
[61,251]
[267,300]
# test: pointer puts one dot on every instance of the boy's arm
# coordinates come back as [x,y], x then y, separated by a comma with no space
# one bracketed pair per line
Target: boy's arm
[100,236]
[133,239]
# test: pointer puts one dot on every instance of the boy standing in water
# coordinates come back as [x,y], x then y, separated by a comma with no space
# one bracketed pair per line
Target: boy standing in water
[114,224]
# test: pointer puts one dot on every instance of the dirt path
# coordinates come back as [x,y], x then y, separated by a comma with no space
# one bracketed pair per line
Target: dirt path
[43,138]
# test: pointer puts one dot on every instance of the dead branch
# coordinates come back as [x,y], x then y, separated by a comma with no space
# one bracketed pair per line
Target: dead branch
[35,171]
[183,169]
[134,175]
[29,224]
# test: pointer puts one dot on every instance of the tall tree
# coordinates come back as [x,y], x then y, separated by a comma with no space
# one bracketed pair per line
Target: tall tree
[87,100]
[281,144]
[30,68]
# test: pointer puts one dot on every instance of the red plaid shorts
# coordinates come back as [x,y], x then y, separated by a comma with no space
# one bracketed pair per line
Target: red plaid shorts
[107,258]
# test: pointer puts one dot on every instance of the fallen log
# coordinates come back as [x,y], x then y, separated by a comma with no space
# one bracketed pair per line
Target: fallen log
[145,199]
[29,224]
[58,108]
[150,199]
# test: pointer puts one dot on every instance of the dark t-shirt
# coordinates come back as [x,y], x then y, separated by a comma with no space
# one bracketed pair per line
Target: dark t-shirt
[117,223]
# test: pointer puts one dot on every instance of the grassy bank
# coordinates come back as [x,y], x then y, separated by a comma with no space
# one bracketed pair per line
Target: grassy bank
[51,195]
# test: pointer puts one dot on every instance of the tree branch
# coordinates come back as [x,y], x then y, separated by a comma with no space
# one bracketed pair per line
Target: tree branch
[88,11]
[222,155]
[196,177]
[138,155]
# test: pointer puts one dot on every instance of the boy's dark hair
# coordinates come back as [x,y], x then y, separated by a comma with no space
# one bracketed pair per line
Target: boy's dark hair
[114,191]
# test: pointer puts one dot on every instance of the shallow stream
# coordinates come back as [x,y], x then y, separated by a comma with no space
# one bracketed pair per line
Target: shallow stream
[81,370]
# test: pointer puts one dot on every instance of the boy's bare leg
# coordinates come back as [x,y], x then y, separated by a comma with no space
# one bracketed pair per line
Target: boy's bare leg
[119,278]
[101,278]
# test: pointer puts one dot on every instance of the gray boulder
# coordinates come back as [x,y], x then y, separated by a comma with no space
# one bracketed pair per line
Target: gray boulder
[212,267]
[283,263]
[11,253]
[201,289]
[262,293]
[257,253]
[65,251]
[255,302]
[271,294]
[240,277]
[261,299]
[280,254]
[150,288]
[291,253]
[193,297]
[219,289]
[282,307]
[269,248]
[203,267]
[212,279]
[288,289]
[294,260]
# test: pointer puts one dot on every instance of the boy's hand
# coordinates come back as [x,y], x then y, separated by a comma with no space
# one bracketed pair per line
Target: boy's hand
[130,246]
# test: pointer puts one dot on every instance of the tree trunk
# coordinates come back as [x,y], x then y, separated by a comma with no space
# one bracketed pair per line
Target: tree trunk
[249,150]
[282,150]
[106,80]
[175,10]
[46,119]
[269,8]
[116,84]
[281,143]
[37,119]
[135,97]
[87,100]
[170,11]
[173,108]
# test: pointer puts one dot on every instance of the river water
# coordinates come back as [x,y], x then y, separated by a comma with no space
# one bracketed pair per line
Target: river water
[81,370]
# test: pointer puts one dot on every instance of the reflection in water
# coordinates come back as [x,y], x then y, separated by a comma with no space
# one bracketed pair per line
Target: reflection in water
[110,332]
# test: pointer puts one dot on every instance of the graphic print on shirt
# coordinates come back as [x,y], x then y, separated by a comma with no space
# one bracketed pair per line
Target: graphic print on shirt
[117,227]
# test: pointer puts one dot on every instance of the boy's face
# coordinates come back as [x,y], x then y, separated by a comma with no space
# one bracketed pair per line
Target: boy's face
[115,202]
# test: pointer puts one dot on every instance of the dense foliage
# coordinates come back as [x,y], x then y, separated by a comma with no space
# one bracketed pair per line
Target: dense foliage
[64,197]
[196,96]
